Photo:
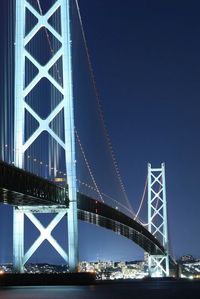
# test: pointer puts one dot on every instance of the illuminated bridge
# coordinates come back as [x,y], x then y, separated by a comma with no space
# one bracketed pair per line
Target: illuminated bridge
[21,188]
[39,95]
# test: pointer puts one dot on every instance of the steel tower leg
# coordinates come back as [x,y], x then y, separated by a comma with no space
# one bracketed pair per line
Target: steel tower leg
[66,104]
[18,240]
[69,141]
[157,219]
[18,216]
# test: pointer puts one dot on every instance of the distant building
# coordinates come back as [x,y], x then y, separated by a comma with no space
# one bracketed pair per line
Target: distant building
[187,258]
[115,270]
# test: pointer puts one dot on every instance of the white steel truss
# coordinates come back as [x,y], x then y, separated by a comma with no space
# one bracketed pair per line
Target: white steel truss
[45,232]
[66,104]
[157,219]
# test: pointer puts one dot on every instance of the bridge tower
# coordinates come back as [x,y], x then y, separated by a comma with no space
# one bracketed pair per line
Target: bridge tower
[157,219]
[22,90]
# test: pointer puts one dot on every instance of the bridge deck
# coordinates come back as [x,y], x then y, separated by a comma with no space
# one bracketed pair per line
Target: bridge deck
[100,214]
[21,188]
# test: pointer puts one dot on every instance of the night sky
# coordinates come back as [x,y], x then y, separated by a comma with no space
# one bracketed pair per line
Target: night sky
[146,61]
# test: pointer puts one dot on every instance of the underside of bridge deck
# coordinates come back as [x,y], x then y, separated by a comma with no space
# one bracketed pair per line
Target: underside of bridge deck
[21,188]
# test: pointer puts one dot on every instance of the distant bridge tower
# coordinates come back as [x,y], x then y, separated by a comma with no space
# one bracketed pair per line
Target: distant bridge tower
[157,219]
[62,57]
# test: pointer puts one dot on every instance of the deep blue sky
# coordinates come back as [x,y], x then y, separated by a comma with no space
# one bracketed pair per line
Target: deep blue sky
[146,60]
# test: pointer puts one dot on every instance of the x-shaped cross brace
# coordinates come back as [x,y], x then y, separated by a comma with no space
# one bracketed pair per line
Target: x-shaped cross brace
[45,234]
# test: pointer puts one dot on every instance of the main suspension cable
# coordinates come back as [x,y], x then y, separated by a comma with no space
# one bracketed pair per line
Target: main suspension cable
[108,196]
[142,200]
[107,137]
[101,114]
[88,166]
[76,133]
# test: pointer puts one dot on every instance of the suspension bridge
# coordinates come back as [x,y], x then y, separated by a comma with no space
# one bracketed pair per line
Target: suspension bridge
[44,150]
